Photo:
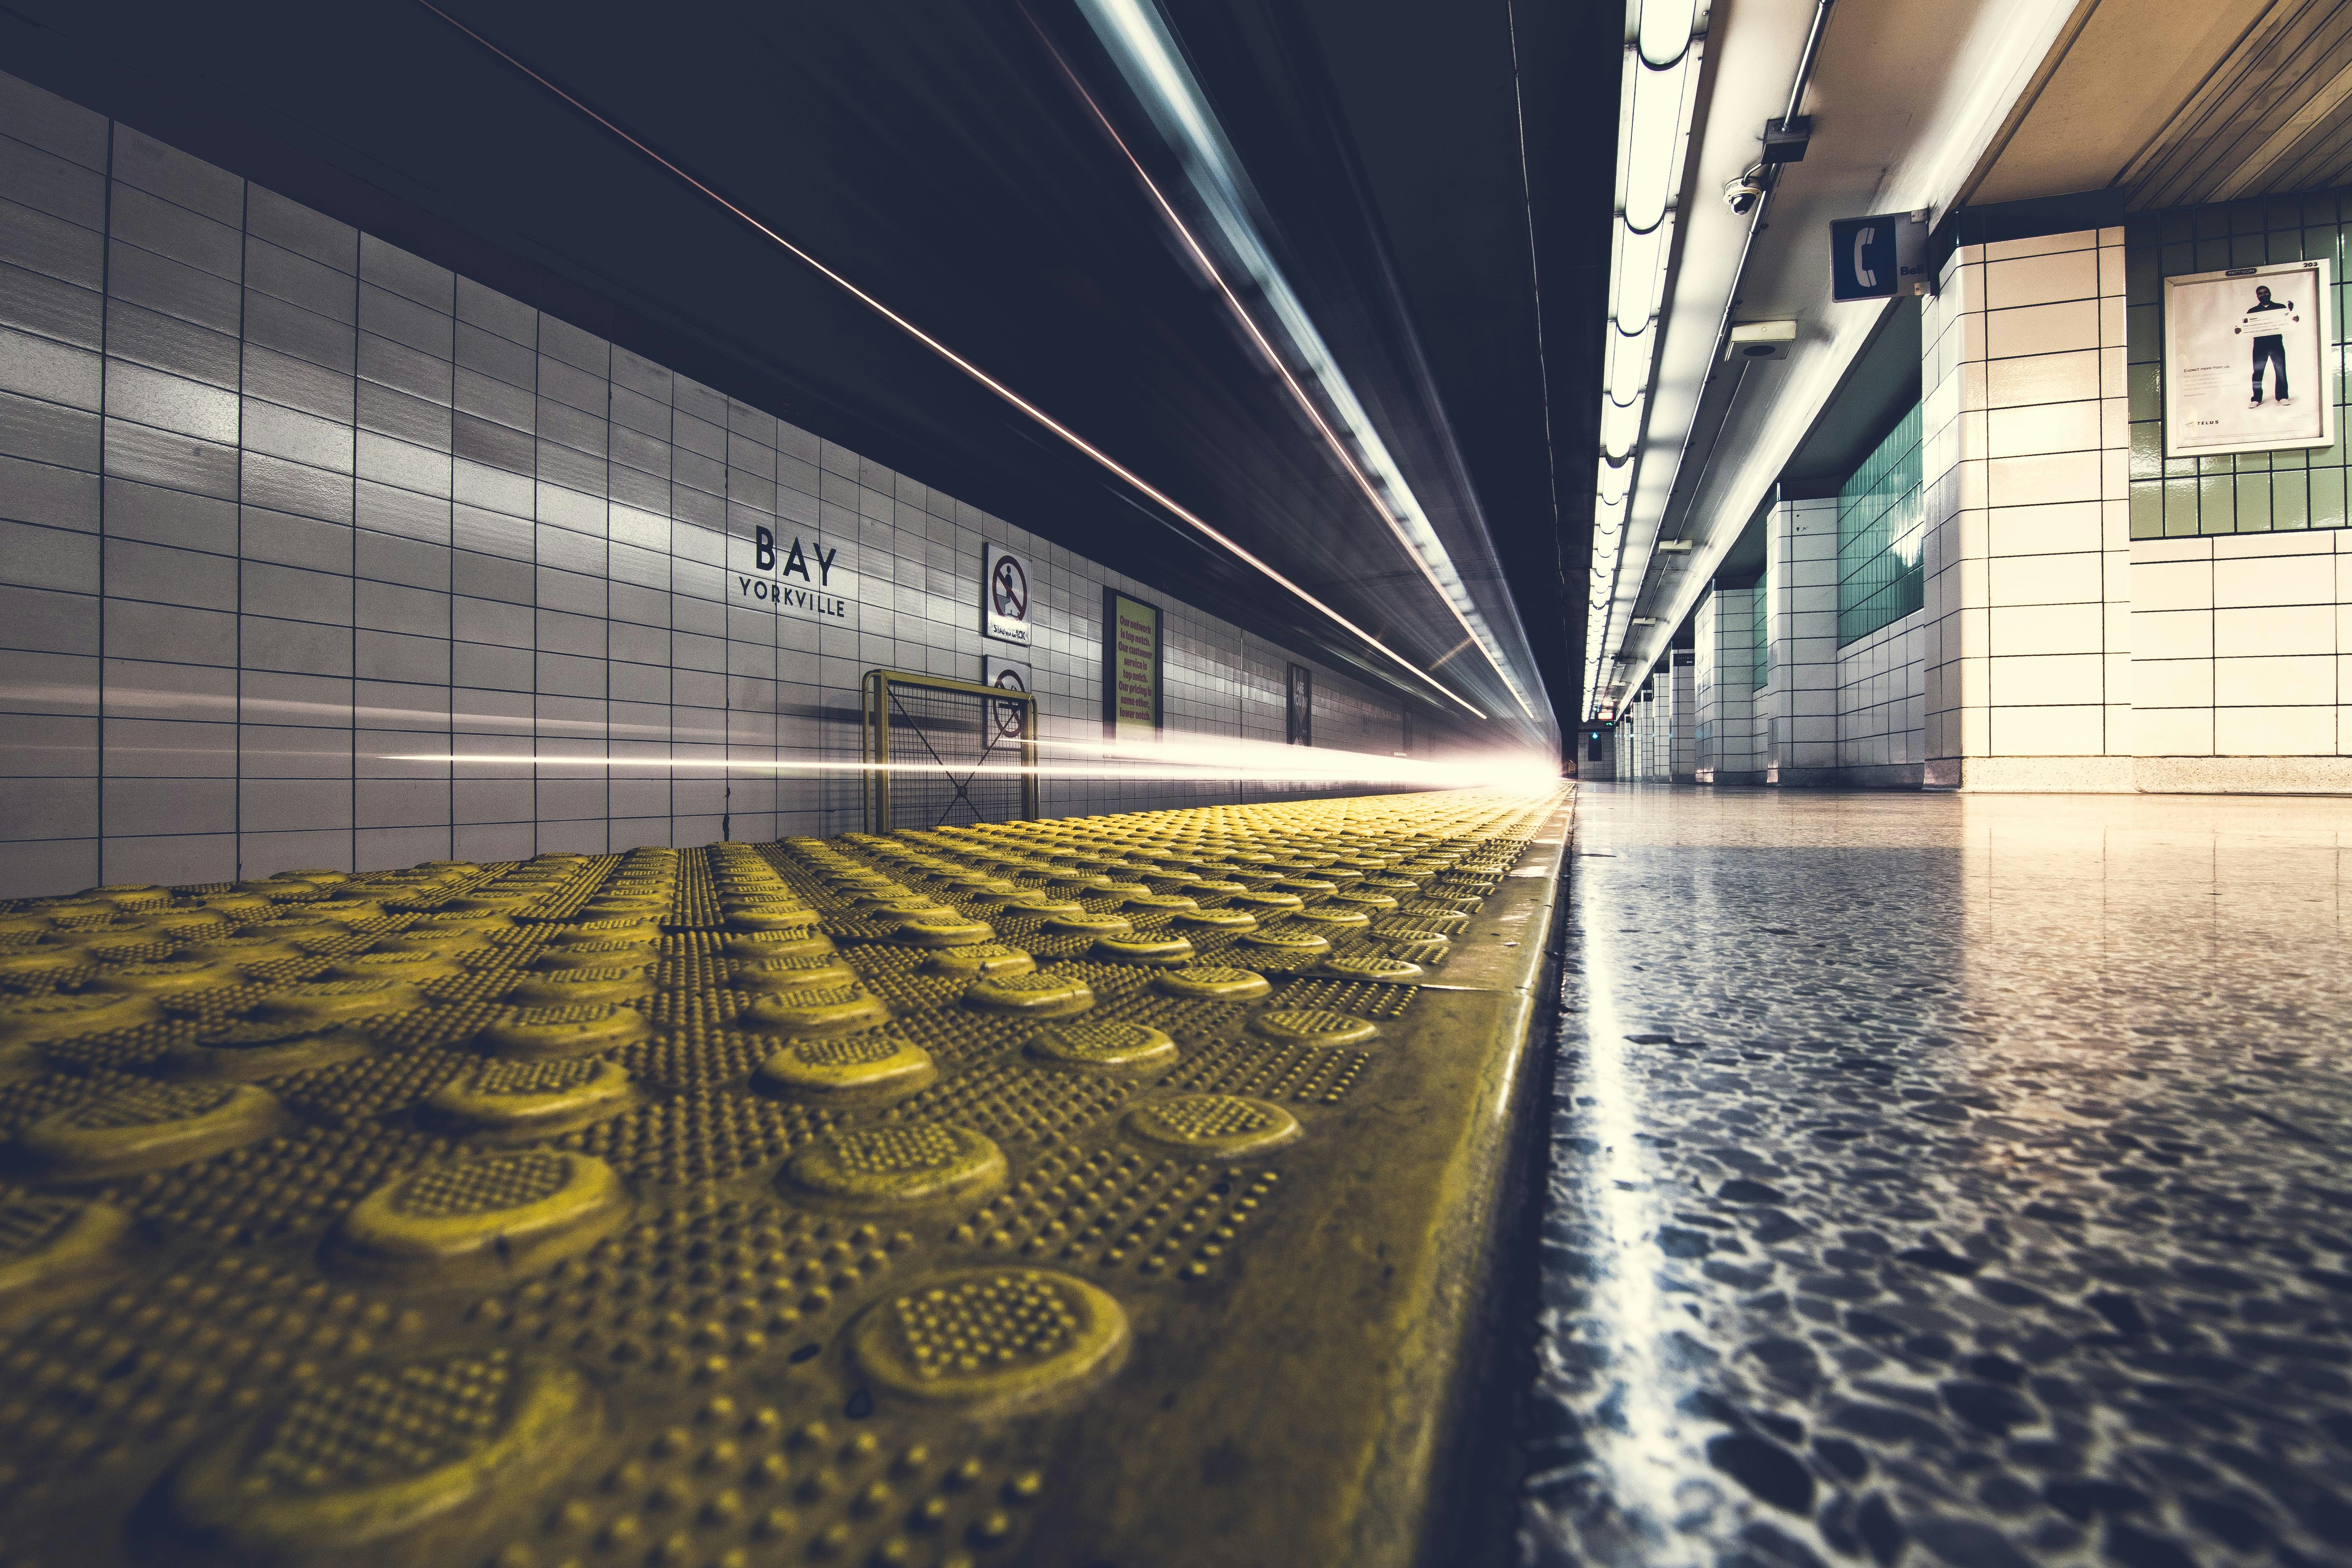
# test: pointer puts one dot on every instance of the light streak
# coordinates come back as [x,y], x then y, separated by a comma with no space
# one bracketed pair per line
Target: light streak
[1222,540]
[1153,62]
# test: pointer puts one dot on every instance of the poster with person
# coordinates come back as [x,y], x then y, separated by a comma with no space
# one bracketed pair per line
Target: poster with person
[2246,356]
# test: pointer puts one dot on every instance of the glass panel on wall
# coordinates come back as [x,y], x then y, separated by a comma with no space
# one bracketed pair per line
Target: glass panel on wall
[2245,492]
[1882,525]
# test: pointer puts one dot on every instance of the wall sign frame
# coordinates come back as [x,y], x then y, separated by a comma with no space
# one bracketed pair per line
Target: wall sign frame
[1008,585]
[2246,356]
[1131,644]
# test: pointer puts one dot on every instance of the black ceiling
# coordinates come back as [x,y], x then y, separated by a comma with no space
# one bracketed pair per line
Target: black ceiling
[939,157]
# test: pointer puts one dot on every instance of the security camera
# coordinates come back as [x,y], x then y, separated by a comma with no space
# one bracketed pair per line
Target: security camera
[1741,194]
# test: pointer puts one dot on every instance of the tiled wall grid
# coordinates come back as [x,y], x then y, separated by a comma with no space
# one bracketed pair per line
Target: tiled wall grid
[2027,647]
[1683,757]
[1723,685]
[283,507]
[1800,704]
[2242,566]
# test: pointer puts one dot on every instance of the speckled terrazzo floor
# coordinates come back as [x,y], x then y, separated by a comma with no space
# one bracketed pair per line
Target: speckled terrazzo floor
[1961,1180]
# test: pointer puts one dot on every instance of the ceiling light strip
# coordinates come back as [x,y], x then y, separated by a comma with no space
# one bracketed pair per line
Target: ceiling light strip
[1136,38]
[1665,51]
[1224,541]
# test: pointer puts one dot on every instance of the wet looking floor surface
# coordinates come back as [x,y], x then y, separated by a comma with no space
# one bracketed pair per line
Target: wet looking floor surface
[1950,1180]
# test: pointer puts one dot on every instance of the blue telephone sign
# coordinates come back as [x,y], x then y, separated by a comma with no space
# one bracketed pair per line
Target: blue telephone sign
[1878,258]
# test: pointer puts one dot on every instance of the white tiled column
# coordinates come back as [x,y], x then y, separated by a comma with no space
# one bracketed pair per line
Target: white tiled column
[2027,559]
[1682,741]
[1800,544]
[1726,645]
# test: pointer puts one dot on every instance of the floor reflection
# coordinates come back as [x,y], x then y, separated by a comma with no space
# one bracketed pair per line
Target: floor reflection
[1950,1179]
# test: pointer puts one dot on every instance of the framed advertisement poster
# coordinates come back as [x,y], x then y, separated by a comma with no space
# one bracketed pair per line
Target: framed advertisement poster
[2246,356]
[1131,668]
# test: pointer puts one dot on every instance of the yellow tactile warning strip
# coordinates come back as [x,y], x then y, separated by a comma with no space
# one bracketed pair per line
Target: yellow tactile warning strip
[1107,1190]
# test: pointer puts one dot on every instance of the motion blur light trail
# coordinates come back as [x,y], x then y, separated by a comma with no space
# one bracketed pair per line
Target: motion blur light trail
[1132,31]
[1201,525]
[1245,759]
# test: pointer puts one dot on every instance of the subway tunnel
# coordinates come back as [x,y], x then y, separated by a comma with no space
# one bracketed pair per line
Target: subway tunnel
[1104,783]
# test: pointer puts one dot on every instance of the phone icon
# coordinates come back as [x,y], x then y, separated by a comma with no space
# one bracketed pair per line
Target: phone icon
[1863,275]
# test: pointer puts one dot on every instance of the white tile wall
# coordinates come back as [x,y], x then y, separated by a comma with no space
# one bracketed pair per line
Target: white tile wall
[313,553]
[1682,737]
[1881,701]
[2025,640]
[1802,704]
[1729,751]
[2243,644]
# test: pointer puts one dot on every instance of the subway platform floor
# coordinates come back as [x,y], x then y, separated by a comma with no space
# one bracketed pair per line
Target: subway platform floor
[1959,1180]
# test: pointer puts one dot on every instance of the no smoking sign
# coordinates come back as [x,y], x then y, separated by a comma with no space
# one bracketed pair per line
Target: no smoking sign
[1007,587]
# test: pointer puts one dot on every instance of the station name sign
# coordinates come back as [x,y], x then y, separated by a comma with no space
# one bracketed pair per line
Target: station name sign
[797,581]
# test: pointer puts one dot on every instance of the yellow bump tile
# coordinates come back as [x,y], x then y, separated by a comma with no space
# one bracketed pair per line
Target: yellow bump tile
[357,1461]
[860,1068]
[948,930]
[1314,1026]
[575,955]
[242,1053]
[1215,982]
[1044,995]
[1215,919]
[1088,925]
[1047,905]
[579,1030]
[54,1251]
[595,926]
[1328,919]
[483,1218]
[795,942]
[323,1002]
[986,958]
[1151,952]
[430,964]
[1111,1043]
[1158,904]
[1285,942]
[519,1100]
[571,988]
[779,974]
[148,1128]
[1267,903]
[1211,1126]
[774,920]
[885,1167]
[820,1010]
[994,1340]
[1386,971]
[35,1020]
[41,963]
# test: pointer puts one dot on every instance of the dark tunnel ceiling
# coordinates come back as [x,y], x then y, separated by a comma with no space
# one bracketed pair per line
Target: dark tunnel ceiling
[935,156]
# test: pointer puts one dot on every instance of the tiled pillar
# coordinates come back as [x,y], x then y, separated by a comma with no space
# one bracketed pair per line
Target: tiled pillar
[1683,738]
[1705,675]
[1726,631]
[1800,549]
[2028,552]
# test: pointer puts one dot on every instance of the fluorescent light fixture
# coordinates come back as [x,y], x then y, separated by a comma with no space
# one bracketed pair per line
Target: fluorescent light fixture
[1664,52]
[1760,340]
